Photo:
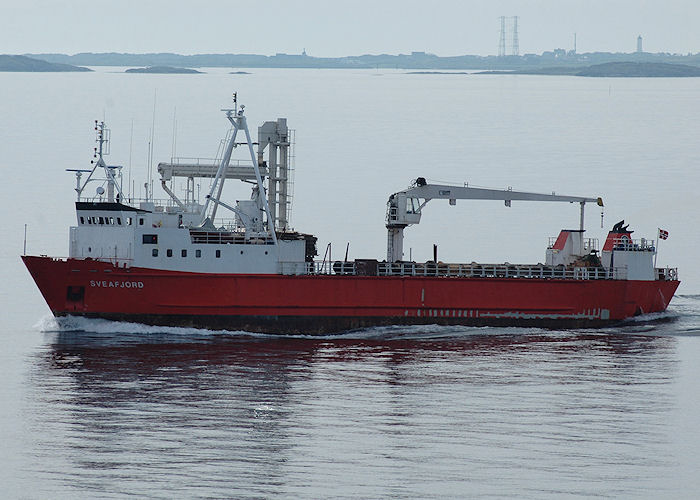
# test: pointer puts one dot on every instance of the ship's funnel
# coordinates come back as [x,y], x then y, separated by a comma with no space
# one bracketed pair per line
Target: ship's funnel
[618,235]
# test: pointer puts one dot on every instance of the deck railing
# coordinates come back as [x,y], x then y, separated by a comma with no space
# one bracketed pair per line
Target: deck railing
[473,270]
[200,236]
[666,273]
[589,244]
[630,245]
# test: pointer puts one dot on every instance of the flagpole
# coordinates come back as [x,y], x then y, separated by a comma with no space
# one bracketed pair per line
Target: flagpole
[656,254]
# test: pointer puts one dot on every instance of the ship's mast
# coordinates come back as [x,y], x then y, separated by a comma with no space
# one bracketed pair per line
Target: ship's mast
[100,151]
[239,123]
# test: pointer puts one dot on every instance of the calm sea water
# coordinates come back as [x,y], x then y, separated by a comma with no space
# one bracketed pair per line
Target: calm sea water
[105,410]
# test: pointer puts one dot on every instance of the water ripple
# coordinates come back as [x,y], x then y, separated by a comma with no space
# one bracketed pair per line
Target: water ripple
[126,410]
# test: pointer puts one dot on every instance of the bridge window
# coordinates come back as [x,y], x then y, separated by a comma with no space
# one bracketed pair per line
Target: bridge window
[128,221]
[198,253]
[218,254]
[169,252]
[150,239]
[154,252]
[111,220]
[140,221]
[119,221]
[102,220]
[184,252]
[82,220]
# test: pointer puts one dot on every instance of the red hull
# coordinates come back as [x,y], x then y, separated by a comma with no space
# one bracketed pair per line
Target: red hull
[328,303]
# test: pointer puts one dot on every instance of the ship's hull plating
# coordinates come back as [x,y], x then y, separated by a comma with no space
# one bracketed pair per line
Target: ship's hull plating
[316,304]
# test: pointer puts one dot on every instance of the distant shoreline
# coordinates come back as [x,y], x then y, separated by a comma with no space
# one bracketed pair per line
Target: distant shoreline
[612,70]
[438,73]
[628,65]
[558,58]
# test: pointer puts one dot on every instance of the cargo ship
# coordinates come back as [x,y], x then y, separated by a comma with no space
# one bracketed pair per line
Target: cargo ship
[176,262]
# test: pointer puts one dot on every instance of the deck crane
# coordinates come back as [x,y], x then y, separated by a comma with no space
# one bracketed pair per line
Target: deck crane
[404,208]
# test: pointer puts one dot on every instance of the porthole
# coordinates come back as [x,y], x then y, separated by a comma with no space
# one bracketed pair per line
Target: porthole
[169,252]
[155,252]
[218,254]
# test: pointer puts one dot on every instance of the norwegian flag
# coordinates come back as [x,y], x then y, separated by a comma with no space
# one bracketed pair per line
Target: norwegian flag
[663,234]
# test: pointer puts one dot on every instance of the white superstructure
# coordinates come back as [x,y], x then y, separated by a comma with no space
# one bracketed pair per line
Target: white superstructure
[186,235]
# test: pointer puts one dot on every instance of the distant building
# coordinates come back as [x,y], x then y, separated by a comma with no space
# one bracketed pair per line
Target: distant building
[639,44]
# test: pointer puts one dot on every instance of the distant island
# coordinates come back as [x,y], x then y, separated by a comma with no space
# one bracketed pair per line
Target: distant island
[611,69]
[164,70]
[239,73]
[28,64]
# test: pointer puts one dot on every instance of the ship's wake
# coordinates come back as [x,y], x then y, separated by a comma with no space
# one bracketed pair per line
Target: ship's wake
[84,327]
[80,327]
[683,319]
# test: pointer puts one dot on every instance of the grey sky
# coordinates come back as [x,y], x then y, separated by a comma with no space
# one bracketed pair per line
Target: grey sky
[330,28]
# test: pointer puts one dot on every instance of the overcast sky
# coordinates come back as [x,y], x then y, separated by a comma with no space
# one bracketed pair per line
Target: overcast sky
[337,28]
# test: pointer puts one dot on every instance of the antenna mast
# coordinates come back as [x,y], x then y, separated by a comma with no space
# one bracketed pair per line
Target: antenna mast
[99,152]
